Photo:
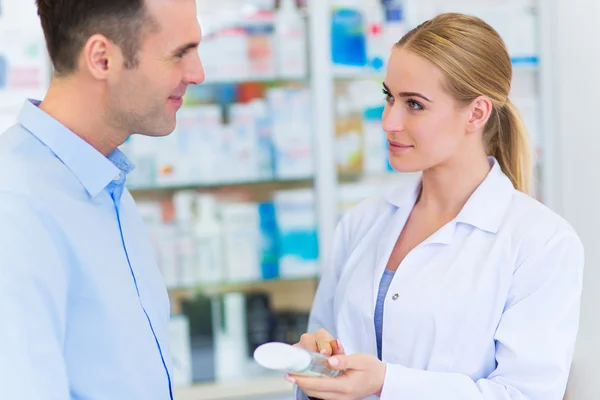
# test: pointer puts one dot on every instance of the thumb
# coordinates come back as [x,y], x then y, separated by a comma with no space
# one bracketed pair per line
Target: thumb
[344,362]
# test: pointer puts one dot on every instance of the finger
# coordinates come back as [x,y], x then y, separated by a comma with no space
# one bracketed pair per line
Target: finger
[323,339]
[325,348]
[323,335]
[337,347]
[308,342]
[321,384]
[324,395]
[315,394]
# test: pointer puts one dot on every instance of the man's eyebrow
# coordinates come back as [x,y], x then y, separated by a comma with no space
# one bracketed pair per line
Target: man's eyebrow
[186,47]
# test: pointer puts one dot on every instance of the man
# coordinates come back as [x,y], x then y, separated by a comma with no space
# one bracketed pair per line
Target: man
[83,310]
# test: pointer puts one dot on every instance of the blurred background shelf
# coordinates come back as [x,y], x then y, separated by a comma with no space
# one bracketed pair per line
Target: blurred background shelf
[519,65]
[285,294]
[260,186]
[274,80]
[241,286]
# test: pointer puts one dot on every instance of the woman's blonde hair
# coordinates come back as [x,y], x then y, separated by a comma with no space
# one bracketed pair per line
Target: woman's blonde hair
[475,62]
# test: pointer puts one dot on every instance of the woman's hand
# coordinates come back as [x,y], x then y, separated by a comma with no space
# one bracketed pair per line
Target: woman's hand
[322,342]
[363,376]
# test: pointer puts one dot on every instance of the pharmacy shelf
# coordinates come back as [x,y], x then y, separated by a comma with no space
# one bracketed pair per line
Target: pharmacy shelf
[359,75]
[261,388]
[286,294]
[391,176]
[258,79]
[229,287]
[369,74]
[258,184]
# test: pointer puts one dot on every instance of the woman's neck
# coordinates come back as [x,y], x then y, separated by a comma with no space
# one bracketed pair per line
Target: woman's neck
[446,188]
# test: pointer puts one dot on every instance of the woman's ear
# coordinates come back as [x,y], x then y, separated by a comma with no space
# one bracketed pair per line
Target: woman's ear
[479,112]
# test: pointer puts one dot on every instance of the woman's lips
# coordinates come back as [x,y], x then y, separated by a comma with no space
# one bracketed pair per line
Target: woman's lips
[397,147]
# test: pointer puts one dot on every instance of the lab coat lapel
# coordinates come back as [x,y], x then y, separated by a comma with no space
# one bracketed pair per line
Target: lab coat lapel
[402,200]
[387,241]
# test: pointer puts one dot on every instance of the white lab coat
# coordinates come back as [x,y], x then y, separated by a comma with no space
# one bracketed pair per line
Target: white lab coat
[485,308]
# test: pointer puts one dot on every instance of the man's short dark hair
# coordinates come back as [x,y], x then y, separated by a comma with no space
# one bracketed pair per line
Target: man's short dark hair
[68,24]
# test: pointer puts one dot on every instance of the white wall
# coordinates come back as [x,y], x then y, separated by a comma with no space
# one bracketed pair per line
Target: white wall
[577,103]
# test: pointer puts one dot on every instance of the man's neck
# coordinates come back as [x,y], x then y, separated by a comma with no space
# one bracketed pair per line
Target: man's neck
[75,106]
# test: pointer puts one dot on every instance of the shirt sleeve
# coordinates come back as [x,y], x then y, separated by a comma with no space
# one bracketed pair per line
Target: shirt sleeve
[535,338]
[33,298]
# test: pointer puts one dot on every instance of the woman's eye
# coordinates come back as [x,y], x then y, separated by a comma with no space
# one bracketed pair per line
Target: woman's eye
[413,105]
[388,96]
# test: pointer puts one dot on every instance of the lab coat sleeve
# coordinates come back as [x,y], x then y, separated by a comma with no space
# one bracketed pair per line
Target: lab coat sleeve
[33,287]
[321,314]
[534,339]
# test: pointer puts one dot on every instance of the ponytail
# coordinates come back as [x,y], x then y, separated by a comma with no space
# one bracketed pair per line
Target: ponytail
[508,142]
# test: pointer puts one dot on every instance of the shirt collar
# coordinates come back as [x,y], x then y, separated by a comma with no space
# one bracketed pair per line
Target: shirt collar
[484,210]
[92,169]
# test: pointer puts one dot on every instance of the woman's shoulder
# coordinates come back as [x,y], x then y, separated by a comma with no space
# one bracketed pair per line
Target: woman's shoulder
[533,226]
[529,212]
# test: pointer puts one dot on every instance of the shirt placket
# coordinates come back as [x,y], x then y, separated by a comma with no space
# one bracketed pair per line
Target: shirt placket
[115,189]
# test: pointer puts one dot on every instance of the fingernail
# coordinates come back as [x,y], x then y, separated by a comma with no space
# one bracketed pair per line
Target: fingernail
[323,351]
[334,362]
[290,379]
[339,345]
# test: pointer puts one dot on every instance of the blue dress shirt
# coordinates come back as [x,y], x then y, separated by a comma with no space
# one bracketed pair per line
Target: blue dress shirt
[83,309]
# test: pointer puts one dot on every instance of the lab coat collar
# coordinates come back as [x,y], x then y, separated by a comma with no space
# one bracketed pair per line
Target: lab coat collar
[484,210]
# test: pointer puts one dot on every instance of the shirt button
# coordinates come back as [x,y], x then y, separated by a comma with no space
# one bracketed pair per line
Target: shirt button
[395,296]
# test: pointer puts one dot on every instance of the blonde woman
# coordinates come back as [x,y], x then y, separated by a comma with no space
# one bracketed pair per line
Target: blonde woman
[462,287]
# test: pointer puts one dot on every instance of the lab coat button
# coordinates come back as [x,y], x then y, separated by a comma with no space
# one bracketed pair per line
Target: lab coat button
[395,296]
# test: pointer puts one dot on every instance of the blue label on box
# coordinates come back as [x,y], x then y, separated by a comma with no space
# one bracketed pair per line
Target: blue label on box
[269,242]
[303,244]
[348,41]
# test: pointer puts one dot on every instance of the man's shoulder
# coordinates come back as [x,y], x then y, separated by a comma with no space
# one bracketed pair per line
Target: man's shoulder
[26,164]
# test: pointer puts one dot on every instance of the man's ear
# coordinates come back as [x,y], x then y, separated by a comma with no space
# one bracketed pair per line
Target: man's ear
[100,55]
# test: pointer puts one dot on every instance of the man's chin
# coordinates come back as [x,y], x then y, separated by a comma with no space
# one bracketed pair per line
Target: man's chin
[158,131]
